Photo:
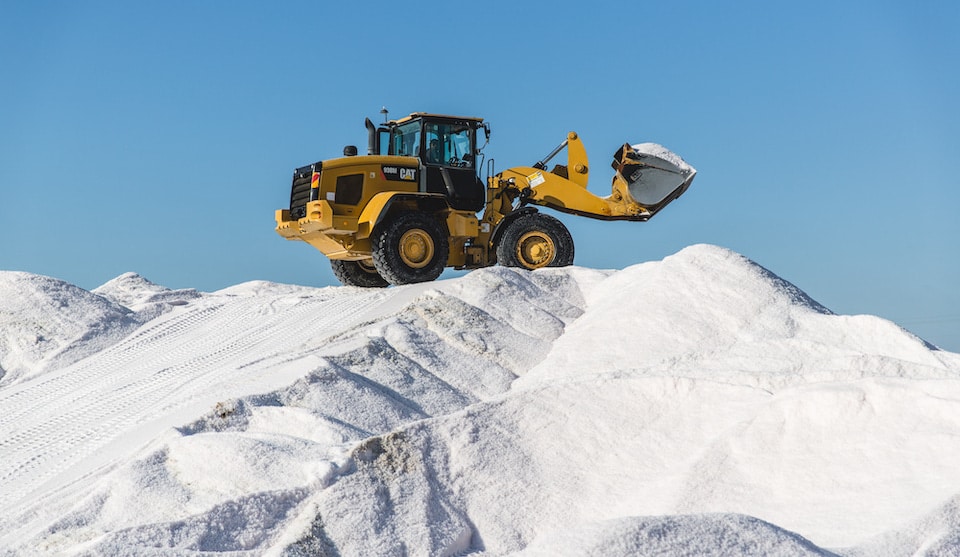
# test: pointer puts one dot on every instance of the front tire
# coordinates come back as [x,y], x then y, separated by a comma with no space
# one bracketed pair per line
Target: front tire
[533,241]
[411,247]
[357,273]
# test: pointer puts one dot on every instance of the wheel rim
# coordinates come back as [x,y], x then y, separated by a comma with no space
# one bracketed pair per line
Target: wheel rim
[416,248]
[366,265]
[535,250]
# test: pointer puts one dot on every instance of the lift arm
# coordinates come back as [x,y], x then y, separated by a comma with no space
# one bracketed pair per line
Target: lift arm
[645,182]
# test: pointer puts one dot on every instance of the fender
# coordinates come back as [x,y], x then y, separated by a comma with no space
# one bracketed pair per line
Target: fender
[383,204]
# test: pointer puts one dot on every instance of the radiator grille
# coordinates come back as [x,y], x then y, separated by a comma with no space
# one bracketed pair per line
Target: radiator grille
[300,190]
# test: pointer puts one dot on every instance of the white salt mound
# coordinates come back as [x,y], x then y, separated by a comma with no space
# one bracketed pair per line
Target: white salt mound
[698,405]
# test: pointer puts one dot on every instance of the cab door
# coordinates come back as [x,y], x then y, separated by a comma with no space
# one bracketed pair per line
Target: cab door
[448,156]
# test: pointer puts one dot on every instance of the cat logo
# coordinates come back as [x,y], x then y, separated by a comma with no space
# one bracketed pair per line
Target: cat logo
[399,173]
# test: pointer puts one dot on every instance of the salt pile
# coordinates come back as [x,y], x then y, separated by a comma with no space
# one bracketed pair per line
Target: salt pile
[695,405]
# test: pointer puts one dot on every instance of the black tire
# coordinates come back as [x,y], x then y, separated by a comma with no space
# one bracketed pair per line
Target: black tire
[357,273]
[411,247]
[534,241]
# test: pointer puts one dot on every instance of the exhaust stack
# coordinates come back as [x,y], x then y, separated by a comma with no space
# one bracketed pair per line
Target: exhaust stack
[373,139]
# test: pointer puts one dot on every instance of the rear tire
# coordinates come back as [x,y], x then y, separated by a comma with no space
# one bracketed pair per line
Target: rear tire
[411,247]
[533,241]
[357,273]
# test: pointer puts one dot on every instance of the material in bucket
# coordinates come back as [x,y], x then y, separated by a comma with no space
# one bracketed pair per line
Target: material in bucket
[654,175]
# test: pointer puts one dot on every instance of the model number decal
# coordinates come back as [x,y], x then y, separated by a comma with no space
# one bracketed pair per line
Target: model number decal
[399,173]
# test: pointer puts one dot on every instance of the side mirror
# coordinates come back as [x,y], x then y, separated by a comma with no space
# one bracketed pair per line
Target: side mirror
[486,137]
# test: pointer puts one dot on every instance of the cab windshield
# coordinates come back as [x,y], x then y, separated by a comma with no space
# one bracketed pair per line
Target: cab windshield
[405,140]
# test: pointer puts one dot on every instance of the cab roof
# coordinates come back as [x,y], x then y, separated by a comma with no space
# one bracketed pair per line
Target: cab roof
[416,115]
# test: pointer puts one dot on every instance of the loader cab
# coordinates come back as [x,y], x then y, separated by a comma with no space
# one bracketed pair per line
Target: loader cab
[447,149]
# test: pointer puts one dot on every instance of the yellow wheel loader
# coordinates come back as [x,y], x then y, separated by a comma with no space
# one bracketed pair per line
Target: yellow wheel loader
[415,203]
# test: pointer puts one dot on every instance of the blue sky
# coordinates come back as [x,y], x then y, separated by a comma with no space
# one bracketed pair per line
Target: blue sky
[159,137]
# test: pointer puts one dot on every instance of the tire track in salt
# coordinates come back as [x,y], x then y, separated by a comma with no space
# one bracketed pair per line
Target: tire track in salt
[19,400]
[55,422]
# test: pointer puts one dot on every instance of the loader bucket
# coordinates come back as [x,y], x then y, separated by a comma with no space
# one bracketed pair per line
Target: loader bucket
[654,175]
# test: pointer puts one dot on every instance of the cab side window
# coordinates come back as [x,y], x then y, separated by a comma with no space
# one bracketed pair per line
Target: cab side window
[448,144]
